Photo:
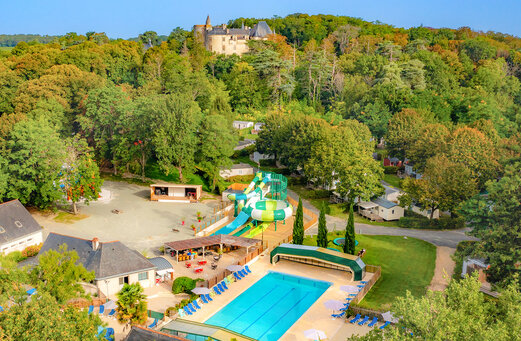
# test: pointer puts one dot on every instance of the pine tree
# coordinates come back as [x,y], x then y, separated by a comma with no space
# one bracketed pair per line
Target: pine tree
[322,228]
[349,244]
[298,225]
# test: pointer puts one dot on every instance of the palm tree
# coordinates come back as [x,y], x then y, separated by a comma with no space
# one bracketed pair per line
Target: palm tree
[132,304]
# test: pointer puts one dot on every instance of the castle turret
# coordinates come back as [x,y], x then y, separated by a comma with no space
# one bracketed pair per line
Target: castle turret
[208,20]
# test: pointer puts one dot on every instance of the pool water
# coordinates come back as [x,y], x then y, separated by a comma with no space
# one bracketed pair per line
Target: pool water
[267,309]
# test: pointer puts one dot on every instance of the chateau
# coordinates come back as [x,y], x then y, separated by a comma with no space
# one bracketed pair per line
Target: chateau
[223,40]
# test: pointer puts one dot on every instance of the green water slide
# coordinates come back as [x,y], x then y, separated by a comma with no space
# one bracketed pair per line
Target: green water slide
[259,229]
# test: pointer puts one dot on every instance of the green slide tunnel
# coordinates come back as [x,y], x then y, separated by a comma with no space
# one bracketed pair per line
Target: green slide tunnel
[271,210]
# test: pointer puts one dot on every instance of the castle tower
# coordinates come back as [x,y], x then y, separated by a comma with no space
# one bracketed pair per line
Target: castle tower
[208,21]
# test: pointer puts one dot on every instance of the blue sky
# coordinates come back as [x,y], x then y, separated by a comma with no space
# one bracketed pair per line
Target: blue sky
[128,18]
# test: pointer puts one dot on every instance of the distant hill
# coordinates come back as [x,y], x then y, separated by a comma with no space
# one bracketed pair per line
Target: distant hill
[13,39]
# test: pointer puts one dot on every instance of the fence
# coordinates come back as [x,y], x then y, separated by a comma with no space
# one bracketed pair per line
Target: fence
[155,314]
[219,213]
[220,276]
[377,273]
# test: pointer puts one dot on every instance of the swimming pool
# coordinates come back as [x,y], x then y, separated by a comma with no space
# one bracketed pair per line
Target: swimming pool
[270,306]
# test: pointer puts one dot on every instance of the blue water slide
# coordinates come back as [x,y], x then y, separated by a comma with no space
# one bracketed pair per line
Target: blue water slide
[240,220]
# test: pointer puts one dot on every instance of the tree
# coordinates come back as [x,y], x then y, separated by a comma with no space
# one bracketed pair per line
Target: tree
[175,139]
[461,312]
[350,237]
[58,274]
[444,185]
[298,225]
[4,177]
[34,160]
[80,174]
[149,37]
[42,318]
[322,228]
[131,304]
[478,49]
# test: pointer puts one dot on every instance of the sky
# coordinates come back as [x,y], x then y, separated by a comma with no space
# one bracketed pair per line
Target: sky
[129,18]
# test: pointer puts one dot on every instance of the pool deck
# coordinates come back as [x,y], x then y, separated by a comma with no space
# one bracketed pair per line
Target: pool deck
[317,316]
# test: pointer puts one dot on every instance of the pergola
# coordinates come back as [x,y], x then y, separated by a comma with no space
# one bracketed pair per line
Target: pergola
[203,242]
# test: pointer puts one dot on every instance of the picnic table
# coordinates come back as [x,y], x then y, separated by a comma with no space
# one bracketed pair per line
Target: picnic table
[198,269]
[188,265]
[202,262]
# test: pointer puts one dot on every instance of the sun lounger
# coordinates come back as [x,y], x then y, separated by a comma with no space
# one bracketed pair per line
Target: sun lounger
[191,307]
[153,324]
[91,309]
[357,317]
[360,285]
[361,323]
[203,298]
[247,269]
[338,315]
[353,295]
[363,282]
[208,298]
[216,290]
[220,286]
[236,276]
[196,305]
[185,308]
[109,334]
[101,309]
[224,285]
[112,313]
[243,273]
[349,299]
[181,312]
[373,322]
[385,324]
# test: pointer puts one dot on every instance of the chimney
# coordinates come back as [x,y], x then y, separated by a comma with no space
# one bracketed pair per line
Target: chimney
[95,244]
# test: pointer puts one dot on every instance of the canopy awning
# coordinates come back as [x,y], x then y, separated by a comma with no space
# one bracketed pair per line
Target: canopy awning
[366,205]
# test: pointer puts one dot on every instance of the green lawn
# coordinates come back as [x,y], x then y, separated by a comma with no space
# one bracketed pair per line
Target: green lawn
[407,264]
[393,180]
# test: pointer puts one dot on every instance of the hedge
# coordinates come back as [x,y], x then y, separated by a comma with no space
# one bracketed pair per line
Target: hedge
[443,223]
[183,284]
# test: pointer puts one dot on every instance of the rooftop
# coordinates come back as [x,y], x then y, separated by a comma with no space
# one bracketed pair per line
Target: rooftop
[144,334]
[384,203]
[200,242]
[16,222]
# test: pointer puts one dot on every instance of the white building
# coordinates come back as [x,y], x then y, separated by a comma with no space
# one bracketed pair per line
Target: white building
[242,124]
[237,169]
[18,229]
[380,208]
[391,193]
[258,126]
[113,263]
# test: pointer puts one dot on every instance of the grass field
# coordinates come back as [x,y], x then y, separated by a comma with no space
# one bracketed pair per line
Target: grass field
[68,218]
[393,180]
[407,264]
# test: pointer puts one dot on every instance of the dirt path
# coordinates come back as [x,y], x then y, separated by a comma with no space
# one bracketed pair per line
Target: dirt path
[444,268]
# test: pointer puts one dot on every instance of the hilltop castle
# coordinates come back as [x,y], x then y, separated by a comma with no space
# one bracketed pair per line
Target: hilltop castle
[223,40]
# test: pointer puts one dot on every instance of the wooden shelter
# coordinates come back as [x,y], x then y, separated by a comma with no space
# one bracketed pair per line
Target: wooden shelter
[175,192]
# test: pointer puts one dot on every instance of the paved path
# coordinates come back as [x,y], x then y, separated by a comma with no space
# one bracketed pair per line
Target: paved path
[448,238]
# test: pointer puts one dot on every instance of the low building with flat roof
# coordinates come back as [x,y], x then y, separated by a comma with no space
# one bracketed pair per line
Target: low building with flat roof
[175,192]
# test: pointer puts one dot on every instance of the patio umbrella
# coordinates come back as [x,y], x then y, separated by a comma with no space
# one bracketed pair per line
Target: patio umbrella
[334,304]
[315,334]
[201,291]
[349,288]
[388,316]
[234,268]
[110,305]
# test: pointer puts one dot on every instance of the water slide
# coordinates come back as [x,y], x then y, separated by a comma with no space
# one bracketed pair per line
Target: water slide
[240,220]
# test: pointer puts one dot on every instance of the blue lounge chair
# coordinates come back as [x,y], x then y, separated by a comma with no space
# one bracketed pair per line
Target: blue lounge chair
[1,309]
[100,330]
[221,289]
[373,322]
[360,285]
[237,276]
[338,315]
[191,307]
[385,324]
[196,305]
[31,291]
[185,308]
[91,309]
[363,282]
[353,295]
[224,285]
[243,273]
[361,323]
[349,298]
[109,334]
[203,298]
[153,324]
[357,317]
[216,290]
[101,309]
[247,269]
[112,313]
[208,297]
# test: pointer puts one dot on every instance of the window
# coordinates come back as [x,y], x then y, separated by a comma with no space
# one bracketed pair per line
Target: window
[142,276]
[29,239]
[23,241]
[123,280]
[393,212]
[18,224]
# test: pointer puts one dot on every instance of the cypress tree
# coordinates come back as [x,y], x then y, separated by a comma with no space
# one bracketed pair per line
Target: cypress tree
[349,244]
[322,228]
[298,225]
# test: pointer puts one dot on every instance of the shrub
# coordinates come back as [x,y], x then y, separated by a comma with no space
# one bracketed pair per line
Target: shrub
[241,178]
[268,162]
[31,250]
[421,222]
[317,194]
[183,284]
[390,169]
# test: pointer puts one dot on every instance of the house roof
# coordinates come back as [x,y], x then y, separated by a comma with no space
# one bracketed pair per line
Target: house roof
[261,29]
[384,203]
[390,190]
[196,243]
[366,204]
[110,259]
[160,263]
[144,334]
[16,222]
[394,159]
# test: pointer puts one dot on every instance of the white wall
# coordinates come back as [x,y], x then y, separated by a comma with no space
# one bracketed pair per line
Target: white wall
[393,213]
[425,213]
[226,173]
[21,243]
[176,192]
[113,286]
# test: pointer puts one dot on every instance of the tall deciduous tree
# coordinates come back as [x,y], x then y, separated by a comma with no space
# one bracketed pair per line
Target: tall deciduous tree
[322,228]
[298,225]
[131,304]
[175,139]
